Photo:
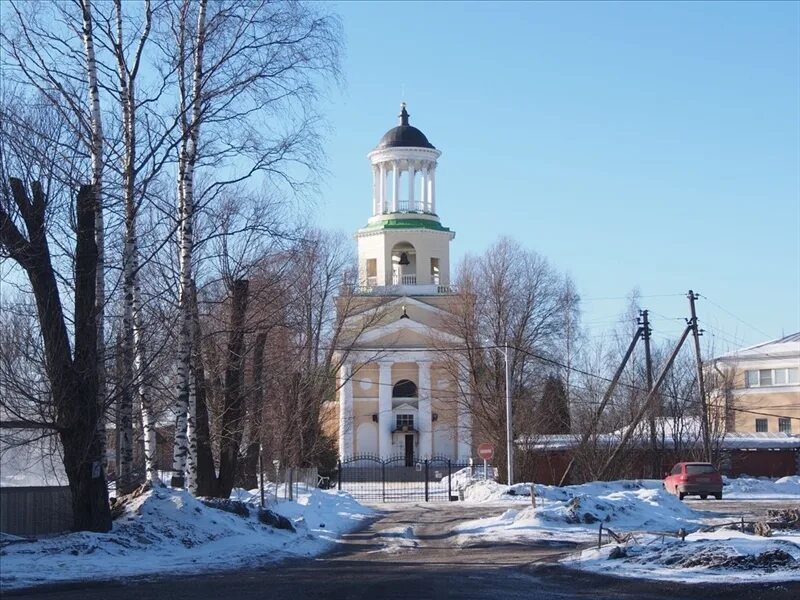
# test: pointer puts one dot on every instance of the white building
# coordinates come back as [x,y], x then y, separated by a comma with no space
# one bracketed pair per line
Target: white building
[397,394]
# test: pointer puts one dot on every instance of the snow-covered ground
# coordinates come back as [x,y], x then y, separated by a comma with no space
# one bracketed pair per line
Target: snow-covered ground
[720,556]
[574,512]
[169,531]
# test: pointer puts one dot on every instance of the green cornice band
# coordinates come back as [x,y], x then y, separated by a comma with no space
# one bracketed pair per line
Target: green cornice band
[405,224]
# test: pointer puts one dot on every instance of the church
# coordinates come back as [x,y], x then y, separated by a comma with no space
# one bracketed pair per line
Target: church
[398,392]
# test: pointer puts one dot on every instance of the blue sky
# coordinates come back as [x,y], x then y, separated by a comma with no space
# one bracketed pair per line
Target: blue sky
[633,144]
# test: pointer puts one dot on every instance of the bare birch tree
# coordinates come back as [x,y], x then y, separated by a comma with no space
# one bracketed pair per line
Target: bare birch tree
[244,72]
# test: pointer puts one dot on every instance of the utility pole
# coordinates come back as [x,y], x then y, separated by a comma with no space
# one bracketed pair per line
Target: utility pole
[596,419]
[696,333]
[645,407]
[644,323]
[509,432]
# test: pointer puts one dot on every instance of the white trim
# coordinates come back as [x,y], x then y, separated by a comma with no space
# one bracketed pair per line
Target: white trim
[400,301]
[404,325]
[768,389]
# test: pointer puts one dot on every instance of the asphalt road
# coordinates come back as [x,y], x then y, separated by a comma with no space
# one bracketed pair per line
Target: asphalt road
[383,562]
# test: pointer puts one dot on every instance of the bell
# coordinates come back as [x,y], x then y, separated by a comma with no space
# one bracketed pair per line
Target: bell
[404,259]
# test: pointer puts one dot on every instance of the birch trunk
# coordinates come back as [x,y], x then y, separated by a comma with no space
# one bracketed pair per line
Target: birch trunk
[135,352]
[96,151]
[187,161]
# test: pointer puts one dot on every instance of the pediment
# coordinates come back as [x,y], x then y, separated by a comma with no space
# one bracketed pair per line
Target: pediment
[395,306]
[406,332]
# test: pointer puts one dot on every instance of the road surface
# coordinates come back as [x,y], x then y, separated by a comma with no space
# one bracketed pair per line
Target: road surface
[408,553]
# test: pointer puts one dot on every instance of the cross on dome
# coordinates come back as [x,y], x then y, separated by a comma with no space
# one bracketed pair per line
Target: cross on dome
[403,115]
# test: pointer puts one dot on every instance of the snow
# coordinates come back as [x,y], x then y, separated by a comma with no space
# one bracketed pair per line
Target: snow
[574,512]
[397,539]
[751,488]
[169,531]
[720,556]
[672,432]
[644,509]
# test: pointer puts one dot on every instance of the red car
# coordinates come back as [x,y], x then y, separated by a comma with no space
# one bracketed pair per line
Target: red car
[695,479]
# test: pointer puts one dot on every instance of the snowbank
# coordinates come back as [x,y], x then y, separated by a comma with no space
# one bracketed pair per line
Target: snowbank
[169,531]
[573,512]
[740,488]
[720,556]
[751,488]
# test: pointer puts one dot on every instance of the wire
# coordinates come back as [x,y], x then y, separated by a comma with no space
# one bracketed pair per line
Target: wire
[630,297]
[630,386]
[742,321]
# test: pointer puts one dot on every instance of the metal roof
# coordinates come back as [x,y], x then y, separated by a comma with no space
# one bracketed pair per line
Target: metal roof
[404,135]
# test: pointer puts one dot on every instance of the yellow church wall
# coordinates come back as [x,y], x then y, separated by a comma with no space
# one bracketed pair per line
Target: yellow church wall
[365,381]
[329,419]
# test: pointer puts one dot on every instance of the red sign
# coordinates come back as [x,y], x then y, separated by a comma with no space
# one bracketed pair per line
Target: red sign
[486,451]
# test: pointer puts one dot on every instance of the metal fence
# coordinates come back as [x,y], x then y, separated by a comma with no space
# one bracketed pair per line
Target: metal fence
[370,478]
[35,510]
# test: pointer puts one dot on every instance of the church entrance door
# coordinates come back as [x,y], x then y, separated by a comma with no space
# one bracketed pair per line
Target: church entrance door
[409,450]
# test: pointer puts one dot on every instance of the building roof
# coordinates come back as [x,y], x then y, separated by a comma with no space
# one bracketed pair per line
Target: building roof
[672,433]
[405,223]
[787,346]
[404,135]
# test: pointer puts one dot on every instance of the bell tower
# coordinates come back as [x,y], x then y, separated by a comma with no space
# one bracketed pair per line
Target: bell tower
[404,248]
[404,404]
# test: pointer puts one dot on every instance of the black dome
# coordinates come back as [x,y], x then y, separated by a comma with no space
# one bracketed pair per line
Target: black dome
[404,135]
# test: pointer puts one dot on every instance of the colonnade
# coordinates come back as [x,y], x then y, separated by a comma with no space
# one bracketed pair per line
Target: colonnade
[386,192]
[386,415]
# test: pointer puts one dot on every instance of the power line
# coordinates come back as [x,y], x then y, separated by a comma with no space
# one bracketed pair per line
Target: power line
[742,321]
[630,386]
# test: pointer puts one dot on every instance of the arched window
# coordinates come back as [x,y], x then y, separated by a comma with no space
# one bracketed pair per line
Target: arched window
[404,389]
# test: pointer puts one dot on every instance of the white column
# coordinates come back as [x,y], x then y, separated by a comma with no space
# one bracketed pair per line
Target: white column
[423,195]
[382,190]
[385,424]
[396,187]
[425,425]
[432,190]
[411,172]
[464,415]
[375,190]
[346,412]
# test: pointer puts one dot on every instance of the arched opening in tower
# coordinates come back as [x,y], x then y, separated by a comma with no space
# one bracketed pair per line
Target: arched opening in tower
[404,264]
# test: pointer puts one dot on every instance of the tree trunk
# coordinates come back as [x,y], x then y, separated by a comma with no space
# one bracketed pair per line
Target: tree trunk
[187,162]
[206,480]
[232,412]
[96,152]
[249,462]
[73,380]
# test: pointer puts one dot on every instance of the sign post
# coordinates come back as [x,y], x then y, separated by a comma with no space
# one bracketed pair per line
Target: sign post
[486,452]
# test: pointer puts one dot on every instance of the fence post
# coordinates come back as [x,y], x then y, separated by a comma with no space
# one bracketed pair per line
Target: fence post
[600,537]
[383,480]
[449,483]
[426,480]
[339,474]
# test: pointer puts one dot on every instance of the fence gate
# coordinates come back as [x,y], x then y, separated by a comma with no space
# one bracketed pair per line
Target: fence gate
[369,478]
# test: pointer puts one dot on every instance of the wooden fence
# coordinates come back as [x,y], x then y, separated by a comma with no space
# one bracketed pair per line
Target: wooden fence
[35,510]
